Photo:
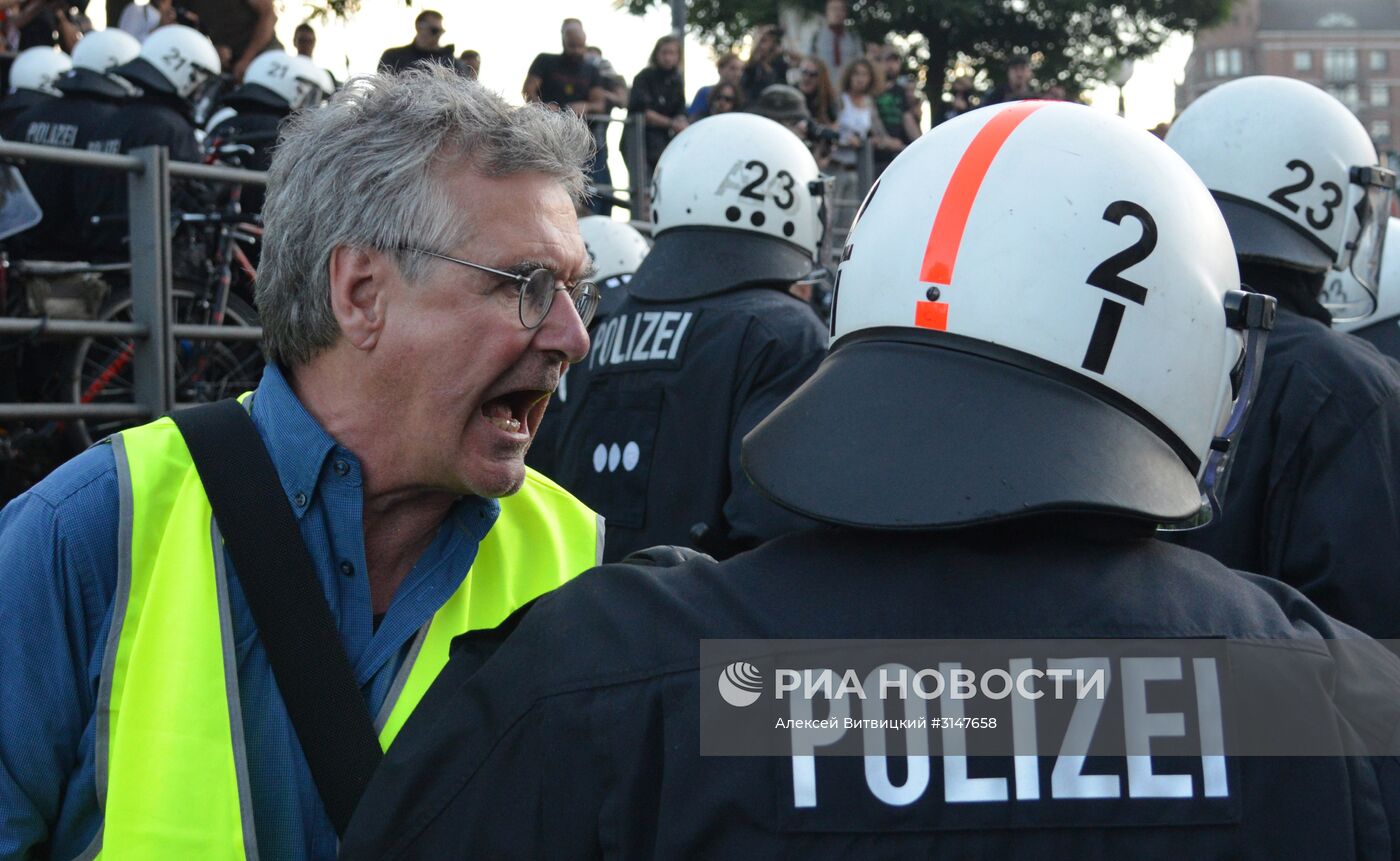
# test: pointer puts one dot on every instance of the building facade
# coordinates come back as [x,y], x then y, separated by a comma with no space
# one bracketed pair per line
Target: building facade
[1349,48]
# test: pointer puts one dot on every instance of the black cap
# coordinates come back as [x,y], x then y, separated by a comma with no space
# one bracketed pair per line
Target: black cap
[904,429]
[781,103]
[691,262]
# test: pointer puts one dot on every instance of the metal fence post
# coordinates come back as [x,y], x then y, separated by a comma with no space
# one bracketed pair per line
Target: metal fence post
[148,211]
[637,169]
[865,169]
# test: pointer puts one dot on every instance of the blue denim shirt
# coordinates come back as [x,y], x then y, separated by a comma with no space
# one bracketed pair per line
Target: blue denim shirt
[58,572]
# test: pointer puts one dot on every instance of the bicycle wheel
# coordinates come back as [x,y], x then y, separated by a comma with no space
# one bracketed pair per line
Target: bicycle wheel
[205,370]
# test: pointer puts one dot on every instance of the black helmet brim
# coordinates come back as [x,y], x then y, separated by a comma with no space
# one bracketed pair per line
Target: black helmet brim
[692,262]
[888,434]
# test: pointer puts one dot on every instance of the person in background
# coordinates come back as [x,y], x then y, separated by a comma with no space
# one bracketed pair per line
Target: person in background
[961,98]
[615,93]
[471,61]
[857,123]
[304,42]
[176,65]
[1056,92]
[836,44]
[34,76]
[731,71]
[567,79]
[814,82]
[139,19]
[724,98]
[91,100]
[246,27]
[44,23]
[1018,83]
[426,46]
[657,95]
[766,65]
[899,110]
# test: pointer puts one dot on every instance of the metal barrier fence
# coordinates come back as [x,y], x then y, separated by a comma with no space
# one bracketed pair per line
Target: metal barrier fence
[149,172]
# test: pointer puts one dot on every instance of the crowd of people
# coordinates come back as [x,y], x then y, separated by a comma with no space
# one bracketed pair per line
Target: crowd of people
[440,585]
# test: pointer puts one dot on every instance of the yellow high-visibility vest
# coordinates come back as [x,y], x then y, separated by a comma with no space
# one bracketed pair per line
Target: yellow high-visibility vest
[172,780]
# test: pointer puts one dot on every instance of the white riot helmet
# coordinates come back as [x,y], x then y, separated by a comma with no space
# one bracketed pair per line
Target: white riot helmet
[1037,310]
[38,69]
[736,200]
[1294,172]
[102,50]
[616,249]
[1344,297]
[283,80]
[174,59]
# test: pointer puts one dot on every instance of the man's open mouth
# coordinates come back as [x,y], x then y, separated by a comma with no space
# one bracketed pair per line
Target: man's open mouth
[517,412]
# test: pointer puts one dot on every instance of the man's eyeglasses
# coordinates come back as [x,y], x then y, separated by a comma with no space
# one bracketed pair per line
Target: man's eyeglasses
[537,290]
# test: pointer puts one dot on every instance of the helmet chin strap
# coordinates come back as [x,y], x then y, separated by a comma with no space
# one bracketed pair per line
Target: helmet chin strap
[1253,314]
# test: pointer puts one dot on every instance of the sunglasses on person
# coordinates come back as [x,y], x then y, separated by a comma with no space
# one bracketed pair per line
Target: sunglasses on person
[537,289]
[435,30]
[809,73]
[722,98]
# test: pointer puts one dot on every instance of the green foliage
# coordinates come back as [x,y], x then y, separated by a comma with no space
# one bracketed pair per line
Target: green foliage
[1075,42]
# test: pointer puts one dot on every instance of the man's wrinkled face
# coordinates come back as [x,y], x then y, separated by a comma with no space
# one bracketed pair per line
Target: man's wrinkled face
[469,382]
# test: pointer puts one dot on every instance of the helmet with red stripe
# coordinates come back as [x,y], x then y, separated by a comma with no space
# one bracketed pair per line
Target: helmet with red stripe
[1038,309]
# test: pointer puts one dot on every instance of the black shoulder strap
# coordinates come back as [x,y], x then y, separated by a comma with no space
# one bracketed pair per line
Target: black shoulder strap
[303,646]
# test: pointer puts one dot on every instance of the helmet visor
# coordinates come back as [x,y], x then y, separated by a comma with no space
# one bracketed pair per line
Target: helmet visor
[1253,313]
[1372,215]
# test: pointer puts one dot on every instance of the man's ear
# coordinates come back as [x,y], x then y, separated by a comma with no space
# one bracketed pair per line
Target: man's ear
[359,296]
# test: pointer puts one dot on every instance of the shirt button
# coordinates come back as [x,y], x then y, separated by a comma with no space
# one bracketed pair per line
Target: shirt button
[300,500]
[347,569]
[341,467]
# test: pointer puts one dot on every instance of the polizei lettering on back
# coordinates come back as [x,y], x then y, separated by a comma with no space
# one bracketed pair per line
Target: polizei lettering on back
[51,134]
[642,337]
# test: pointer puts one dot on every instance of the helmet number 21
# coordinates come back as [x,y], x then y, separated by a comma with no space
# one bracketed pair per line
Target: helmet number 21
[1107,276]
[1317,222]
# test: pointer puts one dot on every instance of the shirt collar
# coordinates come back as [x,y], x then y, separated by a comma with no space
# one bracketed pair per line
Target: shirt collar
[295,441]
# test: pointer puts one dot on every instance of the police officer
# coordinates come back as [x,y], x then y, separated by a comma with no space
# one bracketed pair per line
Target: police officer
[33,75]
[244,129]
[176,62]
[990,442]
[615,250]
[1316,491]
[91,100]
[1382,326]
[706,343]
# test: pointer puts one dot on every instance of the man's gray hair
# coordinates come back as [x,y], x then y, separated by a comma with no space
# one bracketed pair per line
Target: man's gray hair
[365,172]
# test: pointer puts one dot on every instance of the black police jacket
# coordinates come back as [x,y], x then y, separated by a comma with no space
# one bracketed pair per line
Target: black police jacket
[70,123]
[152,120]
[646,429]
[578,736]
[1384,335]
[1314,492]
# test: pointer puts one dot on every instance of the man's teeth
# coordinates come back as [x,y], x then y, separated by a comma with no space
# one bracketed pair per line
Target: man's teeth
[506,424]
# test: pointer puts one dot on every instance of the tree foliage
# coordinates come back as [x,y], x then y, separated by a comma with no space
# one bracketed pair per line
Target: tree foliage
[1075,42]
